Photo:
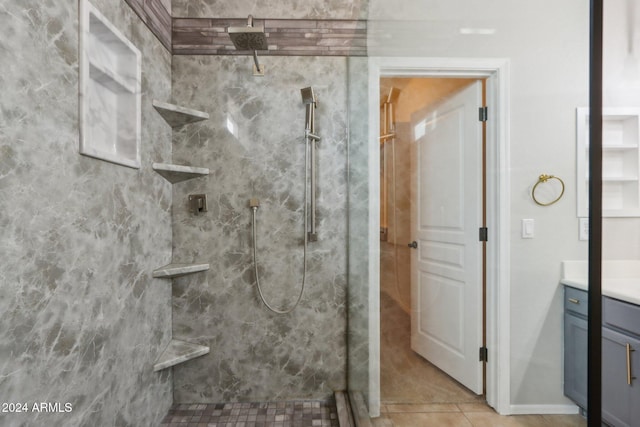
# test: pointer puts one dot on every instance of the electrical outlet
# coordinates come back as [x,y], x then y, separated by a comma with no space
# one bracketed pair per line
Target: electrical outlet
[583,234]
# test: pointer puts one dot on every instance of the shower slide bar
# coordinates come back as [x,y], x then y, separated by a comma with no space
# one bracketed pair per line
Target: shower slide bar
[310,100]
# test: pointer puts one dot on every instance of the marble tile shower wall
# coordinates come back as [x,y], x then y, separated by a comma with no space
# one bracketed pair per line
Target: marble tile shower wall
[253,145]
[82,319]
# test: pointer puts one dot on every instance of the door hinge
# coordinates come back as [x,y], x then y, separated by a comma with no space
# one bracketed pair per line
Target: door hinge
[484,234]
[483,114]
[484,354]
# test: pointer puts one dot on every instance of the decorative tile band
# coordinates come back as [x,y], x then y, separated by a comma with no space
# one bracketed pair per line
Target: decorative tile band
[156,16]
[285,37]
[267,414]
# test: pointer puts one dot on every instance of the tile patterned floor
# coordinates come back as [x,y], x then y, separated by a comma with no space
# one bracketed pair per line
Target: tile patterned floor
[261,414]
[414,394]
[470,415]
[417,394]
[405,376]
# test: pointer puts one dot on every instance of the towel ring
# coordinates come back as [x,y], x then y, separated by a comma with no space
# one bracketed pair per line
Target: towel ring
[542,179]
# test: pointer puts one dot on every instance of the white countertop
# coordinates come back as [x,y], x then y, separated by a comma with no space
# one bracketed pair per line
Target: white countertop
[620,278]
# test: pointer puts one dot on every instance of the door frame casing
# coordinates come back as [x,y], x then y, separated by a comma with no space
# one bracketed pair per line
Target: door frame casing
[496,71]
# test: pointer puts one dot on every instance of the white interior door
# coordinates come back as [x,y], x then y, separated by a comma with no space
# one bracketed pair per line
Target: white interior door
[446,285]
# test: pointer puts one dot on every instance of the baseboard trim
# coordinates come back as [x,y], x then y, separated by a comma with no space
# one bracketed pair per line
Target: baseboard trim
[544,409]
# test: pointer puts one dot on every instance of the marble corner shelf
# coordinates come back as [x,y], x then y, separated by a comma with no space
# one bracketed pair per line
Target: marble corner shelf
[178,173]
[179,352]
[178,116]
[170,271]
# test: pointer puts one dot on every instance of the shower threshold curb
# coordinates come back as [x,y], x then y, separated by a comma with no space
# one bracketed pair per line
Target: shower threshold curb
[360,413]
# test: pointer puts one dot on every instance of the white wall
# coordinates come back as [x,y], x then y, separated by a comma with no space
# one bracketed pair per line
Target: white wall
[547,44]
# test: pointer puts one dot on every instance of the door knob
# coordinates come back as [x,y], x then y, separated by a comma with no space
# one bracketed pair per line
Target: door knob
[413,245]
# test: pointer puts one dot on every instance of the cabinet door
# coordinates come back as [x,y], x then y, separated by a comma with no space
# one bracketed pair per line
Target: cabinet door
[620,400]
[575,359]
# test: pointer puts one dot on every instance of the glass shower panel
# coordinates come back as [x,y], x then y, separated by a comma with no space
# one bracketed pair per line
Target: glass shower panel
[360,239]
[532,100]
[620,212]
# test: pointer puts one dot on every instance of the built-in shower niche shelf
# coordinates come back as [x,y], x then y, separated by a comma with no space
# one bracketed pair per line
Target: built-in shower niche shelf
[179,352]
[170,271]
[109,92]
[112,81]
[178,173]
[178,116]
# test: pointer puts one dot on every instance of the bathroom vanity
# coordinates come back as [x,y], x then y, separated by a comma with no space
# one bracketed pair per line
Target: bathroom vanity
[620,339]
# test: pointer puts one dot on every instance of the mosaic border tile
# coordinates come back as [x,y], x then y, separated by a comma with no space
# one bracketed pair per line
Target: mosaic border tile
[256,414]
[285,37]
[157,17]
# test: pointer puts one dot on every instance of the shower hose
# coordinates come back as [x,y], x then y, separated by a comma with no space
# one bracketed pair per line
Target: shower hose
[254,210]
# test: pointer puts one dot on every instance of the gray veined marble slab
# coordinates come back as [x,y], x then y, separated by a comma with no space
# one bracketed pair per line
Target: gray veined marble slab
[178,116]
[178,352]
[176,270]
[92,207]
[178,173]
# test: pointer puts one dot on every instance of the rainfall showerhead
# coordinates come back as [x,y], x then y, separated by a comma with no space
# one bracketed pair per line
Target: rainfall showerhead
[308,95]
[248,37]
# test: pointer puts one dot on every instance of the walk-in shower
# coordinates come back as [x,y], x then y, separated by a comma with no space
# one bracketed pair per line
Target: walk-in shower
[310,138]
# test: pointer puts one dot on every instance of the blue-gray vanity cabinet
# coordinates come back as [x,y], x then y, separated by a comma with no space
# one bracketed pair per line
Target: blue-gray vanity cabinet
[575,345]
[620,363]
[620,357]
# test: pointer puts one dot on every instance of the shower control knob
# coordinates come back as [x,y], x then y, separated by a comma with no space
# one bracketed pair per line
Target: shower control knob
[413,245]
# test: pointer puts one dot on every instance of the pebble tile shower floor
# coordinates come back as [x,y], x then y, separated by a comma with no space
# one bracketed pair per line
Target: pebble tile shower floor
[259,414]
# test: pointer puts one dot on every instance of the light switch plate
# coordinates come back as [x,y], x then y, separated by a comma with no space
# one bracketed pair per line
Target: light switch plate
[528,228]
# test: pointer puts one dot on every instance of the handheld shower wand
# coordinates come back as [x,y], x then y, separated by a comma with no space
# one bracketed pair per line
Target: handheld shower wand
[309,100]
